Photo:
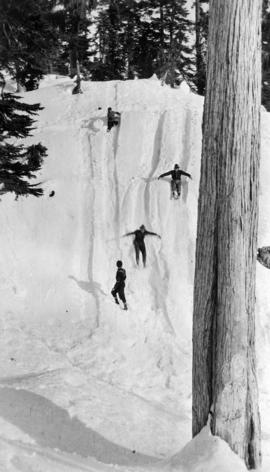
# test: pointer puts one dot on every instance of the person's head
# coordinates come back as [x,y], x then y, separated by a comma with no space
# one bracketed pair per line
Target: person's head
[119,264]
[110,109]
[142,228]
[176,166]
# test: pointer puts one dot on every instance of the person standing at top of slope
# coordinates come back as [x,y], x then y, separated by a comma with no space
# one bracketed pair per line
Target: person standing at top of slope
[119,287]
[113,118]
[176,174]
[139,242]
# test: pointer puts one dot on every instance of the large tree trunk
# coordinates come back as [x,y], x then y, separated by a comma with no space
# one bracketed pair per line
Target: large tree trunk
[224,374]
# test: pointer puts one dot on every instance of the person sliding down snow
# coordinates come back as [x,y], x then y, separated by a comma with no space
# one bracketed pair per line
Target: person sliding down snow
[139,242]
[119,287]
[113,118]
[176,174]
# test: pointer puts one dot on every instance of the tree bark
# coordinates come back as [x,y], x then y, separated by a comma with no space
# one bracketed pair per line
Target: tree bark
[224,364]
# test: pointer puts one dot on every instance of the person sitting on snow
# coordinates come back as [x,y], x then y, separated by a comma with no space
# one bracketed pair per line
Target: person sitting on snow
[176,174]
[113,118]
[119,287]
[138,242]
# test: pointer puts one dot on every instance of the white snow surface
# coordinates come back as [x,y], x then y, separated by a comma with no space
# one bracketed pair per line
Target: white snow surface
[84,384]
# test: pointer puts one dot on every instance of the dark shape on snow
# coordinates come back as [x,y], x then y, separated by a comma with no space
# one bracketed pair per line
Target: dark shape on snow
[119,287]
[138,242]
[113,118]
[77,88]
[176,175]
[263,256]
[52,427]
[52,193]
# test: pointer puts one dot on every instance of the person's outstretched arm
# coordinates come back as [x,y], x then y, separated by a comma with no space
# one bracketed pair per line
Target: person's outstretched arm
[185,173]
[129,234]
[150,233]
[165,173]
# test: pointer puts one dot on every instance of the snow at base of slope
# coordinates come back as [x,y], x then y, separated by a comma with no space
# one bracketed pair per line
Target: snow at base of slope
[205,453]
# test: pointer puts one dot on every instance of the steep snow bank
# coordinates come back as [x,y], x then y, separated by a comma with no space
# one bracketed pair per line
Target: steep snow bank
[59,254]
[126,376]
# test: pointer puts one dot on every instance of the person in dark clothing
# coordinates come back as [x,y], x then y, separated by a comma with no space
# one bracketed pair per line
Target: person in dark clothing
[176,174]
[139,242]
[77,88]
[119,287]
[113,118]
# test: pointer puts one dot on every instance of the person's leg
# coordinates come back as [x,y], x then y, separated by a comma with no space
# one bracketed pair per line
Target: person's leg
[110,125]
[173,187]
[122,297]
[137,252]
[143,251]
[114,293]
[121,293]
[178,187]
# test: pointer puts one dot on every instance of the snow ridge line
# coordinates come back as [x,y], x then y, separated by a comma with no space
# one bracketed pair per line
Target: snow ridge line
[59,457]
[116,132]
[20,378]
[92,238]
[157,271]
[116,187]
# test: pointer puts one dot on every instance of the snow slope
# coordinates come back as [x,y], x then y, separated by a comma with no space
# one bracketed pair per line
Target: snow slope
[83,381]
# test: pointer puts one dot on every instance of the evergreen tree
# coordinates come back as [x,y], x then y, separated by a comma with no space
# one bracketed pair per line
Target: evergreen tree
[27,39]
[150,49]
[163,37]
[109,42]
[141,38]
[73,22]
[18,163]
[201,33]
[175,58]
[131,12]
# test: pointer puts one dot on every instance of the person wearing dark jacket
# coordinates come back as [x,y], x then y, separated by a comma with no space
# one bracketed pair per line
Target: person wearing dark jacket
[119,287]
[113,118]
[176,174]
[139,242]
[77,88]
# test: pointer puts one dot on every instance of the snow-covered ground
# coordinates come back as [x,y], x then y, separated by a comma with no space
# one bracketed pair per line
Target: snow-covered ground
[84,384]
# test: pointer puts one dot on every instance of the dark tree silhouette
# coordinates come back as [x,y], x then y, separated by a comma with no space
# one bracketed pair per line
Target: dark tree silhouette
[18,163]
